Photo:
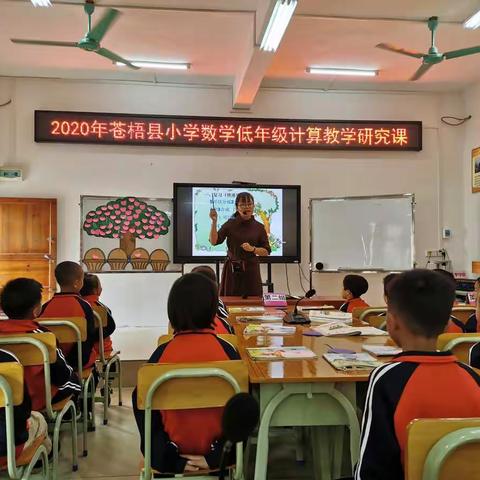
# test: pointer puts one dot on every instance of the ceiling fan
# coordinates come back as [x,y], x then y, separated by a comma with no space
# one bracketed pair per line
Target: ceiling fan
[91,41]
[433,56]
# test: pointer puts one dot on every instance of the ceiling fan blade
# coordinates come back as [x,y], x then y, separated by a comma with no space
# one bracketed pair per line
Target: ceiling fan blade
[462,52]
[43,42]
[403,51]
[101,27]
[114,57]
[421,71]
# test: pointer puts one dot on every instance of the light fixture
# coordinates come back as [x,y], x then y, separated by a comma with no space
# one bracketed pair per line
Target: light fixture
[342,71]
[277,24]
[157,65]
[473,21]
[41,3]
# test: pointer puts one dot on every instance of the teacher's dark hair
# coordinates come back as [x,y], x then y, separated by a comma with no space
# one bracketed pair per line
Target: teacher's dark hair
[244,197]
[192,303]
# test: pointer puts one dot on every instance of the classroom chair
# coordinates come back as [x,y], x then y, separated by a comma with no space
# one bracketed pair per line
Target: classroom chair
[229,337]
[34,349]
[371,315]
[463,313]
[11,394]
[443,449]
[182,386]
[112,358]
[74,330]
[459,343]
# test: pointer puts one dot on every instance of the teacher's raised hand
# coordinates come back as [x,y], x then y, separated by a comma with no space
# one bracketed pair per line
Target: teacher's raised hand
[213,215]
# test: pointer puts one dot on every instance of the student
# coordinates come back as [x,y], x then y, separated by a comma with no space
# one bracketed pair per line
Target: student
[454,325]
[68,303]
[472,325]
[354,286]
[91,291]
[420,382]
[20,300]
[221,324]
[386,280]
[188,440]
[28,425]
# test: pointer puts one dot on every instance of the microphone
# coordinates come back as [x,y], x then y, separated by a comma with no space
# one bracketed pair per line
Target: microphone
[319,266]
[240,417]
[309,294]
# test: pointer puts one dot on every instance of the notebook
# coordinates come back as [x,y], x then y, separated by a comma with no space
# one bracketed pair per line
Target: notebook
[340,329]
[382,350]
[351,361]
[281,353]
[268,329]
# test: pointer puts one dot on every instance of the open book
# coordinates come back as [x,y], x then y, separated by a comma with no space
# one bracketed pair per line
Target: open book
[246,309]
[268,329]
[351,361]
[382,350]
[281,353]
[337,329]
[329,316]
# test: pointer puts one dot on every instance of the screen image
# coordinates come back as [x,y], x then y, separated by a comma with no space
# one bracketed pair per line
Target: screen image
[276,207]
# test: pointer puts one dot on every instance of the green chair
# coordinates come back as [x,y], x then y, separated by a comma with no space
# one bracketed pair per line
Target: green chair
[40,349]
[182,386]
[459,343]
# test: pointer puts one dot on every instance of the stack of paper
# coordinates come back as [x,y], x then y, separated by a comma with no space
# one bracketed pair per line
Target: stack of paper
[382,350]
[351,361]
[281,353]
[268,329]
[319,316]
[246,309]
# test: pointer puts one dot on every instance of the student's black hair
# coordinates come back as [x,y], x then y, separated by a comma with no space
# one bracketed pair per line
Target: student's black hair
[206,271]
[245,197]
[446,274]
[67,272]
[386,280]
[423,299]
[356,284]
[19,296]
[192,303]
[90,284]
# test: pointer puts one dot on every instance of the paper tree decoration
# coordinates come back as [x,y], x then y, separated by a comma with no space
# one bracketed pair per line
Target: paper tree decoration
[127,219]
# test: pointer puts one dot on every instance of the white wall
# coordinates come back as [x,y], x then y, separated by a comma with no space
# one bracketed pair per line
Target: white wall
[68,171]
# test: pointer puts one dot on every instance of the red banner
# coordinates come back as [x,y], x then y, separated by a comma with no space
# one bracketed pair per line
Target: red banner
[125,129]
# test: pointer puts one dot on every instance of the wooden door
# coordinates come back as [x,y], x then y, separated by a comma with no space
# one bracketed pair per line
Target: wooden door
[28,247]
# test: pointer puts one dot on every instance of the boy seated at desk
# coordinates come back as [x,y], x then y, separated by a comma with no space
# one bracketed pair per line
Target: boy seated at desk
[354,286]
[21,300]
[68,303]
[188,440]
[221,324]
[420,382]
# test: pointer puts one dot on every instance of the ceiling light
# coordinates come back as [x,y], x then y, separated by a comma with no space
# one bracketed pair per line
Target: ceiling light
[158,65]
[473,21]
[41,3]
[342,71]
[277,24]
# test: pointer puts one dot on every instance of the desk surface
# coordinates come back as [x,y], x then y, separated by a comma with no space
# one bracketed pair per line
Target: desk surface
[316,301]
[300,371]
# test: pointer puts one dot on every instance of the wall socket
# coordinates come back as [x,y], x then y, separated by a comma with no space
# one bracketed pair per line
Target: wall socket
[11,174]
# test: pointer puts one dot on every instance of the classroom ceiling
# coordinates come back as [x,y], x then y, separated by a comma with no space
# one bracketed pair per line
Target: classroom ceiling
[218,37]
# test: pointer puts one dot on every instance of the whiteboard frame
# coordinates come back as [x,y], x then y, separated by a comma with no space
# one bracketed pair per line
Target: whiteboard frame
[369,197]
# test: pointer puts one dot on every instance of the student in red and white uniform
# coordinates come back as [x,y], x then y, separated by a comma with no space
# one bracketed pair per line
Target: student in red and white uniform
[354,286]
[188,440]
[420,382]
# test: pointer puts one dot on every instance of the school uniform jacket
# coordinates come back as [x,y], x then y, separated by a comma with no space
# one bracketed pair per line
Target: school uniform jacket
[414,385]
[349,305]
[64,382]
[221,324]
[21,414]
[194,431]
[64,305]
[108,329]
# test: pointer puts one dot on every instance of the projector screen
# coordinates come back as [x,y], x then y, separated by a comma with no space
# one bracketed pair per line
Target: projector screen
[277,207]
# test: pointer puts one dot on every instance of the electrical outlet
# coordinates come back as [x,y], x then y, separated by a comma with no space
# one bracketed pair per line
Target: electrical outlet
[11,174]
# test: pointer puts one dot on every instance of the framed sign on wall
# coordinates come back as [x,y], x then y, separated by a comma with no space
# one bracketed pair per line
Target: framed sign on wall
[476,170]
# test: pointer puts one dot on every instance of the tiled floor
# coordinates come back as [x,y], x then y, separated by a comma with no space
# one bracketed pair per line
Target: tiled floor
[113,450]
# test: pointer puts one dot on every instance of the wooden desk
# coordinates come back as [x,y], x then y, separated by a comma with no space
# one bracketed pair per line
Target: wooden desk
[306,393]
[316,301]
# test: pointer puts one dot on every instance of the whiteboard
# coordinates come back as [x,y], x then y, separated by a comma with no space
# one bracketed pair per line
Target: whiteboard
[363,233]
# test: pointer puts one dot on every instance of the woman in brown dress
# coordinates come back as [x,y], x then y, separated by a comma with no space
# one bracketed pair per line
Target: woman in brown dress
[246,241]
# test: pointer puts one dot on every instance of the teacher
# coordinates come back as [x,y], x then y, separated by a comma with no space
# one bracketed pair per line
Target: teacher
[246,241]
